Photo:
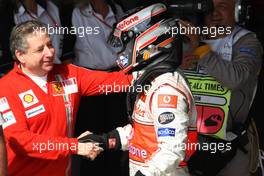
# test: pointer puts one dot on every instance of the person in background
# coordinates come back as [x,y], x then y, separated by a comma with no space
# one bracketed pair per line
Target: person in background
[16,11]
[3,161]
[224,66]
[40,99]
[97,17]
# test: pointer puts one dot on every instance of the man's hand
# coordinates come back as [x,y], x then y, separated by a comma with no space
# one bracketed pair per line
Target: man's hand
[189,61]
[88,149]
[105,141]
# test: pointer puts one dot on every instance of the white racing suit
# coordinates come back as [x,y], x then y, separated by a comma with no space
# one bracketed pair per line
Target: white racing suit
[162,120]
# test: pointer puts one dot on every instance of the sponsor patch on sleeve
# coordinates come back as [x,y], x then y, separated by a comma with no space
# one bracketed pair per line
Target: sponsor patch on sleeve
[250,51]
[167,101]
[28,98]
[4,106]
[163,132]
[35,111]
[9,119]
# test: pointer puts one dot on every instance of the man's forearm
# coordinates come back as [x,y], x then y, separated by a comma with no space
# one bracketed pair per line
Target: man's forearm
[3,160]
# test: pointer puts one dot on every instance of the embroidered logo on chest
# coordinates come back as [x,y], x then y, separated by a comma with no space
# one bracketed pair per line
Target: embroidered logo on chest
[28,98]
[57,88]
[67,86]
[35,111]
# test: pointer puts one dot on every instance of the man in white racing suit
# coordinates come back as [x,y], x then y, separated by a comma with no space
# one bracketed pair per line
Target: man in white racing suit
[163,120]
[159,132]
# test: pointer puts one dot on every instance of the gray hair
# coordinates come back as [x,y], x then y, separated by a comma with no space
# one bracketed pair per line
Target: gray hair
[19,34]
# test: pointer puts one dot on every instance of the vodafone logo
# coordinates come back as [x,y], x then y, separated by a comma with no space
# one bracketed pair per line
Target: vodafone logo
[123,24]
[138,152]
[166,99]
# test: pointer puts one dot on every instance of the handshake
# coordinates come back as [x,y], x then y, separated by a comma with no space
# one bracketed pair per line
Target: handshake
[90,145]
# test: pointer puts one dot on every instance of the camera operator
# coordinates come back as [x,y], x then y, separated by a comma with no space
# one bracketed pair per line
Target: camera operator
[232,62]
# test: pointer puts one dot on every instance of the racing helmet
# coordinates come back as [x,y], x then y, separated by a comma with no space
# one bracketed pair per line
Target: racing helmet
[144,36]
